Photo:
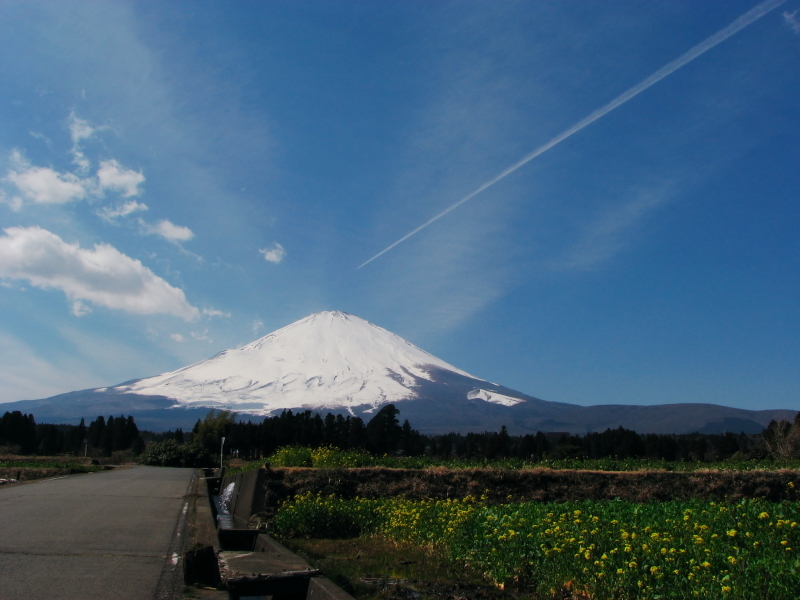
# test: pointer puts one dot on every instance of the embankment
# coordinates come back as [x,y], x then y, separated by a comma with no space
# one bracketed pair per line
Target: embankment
[542,485]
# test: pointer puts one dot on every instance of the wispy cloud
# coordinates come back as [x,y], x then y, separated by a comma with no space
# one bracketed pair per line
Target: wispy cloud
[609,233]
[79,308]
[109,213]
[168,230]
[14,202]
[80,130]
[213,312]
[791,21]
[746,19]
[275,254]
[26,375]
[257,326]
[201,336]
[102,276]
[40,136]
[176,337]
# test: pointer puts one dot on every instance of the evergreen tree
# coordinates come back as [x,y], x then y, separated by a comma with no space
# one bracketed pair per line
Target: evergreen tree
[96,432]
[138,446]
[383,431]
[74,439]
[107,441]
[18,429]
[131,432]
[51,440]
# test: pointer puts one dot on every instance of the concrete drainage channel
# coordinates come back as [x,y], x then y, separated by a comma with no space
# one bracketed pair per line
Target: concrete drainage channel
[247,562]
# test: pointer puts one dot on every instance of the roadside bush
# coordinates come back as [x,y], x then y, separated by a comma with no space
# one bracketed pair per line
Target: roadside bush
[162,454]
[196,455]
[292,456]
[171,454]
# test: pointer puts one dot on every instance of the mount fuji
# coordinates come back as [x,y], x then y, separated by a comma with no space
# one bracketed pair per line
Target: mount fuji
[340,363]
[329,360]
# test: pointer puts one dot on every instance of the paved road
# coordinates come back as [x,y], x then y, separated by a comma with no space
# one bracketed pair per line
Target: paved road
[104,535]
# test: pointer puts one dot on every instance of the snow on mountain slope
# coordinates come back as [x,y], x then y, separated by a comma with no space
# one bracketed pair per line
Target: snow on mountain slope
[494,397]
[326,360]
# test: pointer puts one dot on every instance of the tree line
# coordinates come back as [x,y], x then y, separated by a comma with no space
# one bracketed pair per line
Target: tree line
[20,433]
[382,434]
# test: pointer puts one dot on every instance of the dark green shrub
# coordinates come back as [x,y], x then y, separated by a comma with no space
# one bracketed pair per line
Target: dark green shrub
[171,454]
[163,454]
[196,455]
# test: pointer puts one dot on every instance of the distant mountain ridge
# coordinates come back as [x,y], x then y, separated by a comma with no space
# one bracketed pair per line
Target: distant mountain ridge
[337,362]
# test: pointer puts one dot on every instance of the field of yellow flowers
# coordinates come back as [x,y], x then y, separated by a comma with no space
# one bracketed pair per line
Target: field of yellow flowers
[603,549]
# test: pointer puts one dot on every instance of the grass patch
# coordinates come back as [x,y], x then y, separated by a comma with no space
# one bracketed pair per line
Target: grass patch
[374,568]
[29,468]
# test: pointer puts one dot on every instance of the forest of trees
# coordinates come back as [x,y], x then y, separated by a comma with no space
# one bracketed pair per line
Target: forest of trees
[20,434]
[383,434]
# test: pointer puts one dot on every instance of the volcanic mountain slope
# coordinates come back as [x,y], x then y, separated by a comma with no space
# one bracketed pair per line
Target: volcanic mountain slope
[336,362]
[327,360]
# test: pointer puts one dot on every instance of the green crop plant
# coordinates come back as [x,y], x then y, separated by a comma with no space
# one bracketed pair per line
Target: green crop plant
[605,549]
[331,457]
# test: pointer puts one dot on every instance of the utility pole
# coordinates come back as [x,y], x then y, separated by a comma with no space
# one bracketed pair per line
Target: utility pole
[221,447]
[85,448]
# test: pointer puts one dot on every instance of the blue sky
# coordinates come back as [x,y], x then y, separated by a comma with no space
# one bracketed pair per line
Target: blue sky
[181,178]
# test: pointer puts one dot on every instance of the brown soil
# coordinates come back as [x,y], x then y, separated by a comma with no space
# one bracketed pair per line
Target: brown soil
[542,485]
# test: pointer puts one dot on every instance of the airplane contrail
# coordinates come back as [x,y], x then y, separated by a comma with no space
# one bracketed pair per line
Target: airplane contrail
[704,46]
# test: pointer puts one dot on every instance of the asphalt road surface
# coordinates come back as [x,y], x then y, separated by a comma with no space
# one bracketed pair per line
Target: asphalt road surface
[109,535]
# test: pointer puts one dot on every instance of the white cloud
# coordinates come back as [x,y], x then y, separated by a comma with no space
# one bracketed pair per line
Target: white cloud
[276,254]
[79,159]
[257,326]
[791,21]
[14,203]
[44,185]
[103,276]
[177,337]
[212,312]
[167,230]
[79,308]
[80,130]
[40,136]
[113,176]
[122,210]
[201,336]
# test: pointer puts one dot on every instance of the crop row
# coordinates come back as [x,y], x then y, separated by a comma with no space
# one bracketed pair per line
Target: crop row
[329,457]
[605,549]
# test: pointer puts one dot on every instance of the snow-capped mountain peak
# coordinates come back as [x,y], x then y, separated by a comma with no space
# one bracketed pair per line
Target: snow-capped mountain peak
[326,360]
